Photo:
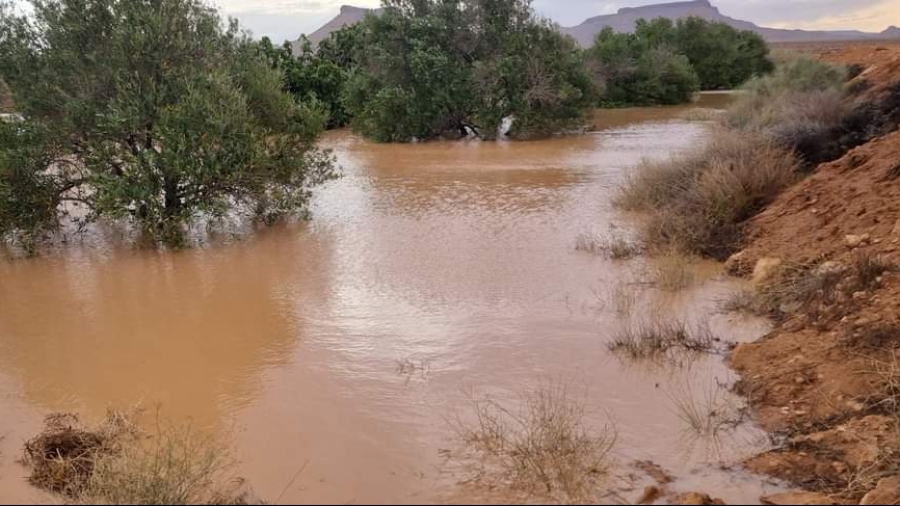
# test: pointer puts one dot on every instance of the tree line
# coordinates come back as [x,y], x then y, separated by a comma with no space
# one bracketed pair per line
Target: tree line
[433,68]
[159,112]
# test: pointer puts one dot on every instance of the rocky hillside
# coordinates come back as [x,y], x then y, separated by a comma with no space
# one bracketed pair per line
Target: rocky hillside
[624,21]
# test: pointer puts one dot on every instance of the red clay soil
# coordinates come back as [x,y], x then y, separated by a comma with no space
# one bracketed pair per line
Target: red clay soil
[824,379]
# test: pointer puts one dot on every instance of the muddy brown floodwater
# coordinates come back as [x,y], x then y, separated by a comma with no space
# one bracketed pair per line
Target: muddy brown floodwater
[455,256]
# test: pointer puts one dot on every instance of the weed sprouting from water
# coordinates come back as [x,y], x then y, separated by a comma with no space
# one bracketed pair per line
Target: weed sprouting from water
[542,447]
[613,247]
[658,339]
[708,417]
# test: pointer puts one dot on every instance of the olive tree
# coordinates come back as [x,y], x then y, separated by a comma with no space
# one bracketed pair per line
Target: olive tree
[152,111]
[427,68]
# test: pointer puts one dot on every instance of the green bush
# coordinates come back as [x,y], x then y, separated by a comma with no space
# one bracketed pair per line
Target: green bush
[632,69]
[150,112]
[666,63]
[723,57]
[431,68]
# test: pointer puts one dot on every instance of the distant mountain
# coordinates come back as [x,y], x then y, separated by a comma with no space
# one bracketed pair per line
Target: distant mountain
[624,21]
[349,16]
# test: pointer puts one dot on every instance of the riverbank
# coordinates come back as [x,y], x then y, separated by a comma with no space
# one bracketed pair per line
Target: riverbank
[826,254]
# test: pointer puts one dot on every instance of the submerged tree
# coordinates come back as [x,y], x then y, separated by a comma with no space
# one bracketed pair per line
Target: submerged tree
[664,62]
[426,68]
[147,110]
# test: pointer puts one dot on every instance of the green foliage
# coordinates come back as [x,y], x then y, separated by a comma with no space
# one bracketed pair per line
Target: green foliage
[315,76]
[428,68]
[29,195]
[156,114]
[640,69]
[801,106]
[666,63]
[723,57]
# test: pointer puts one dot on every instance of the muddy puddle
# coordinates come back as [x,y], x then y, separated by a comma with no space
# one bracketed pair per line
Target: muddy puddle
[343,346]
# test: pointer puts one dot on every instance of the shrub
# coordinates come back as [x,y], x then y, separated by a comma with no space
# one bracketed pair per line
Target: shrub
[116,463]
[630,70]
[543,447]
[441,68]
[700,202]
[799,107]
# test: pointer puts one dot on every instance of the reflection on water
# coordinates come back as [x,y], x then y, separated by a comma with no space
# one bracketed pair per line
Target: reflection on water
[459,254]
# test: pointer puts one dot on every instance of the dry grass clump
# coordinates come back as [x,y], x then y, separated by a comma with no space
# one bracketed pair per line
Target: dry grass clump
[116,463]
[710,419]
[63,457]
[543,448]
[613,247]
[700,202]
[672,271]
[658,339]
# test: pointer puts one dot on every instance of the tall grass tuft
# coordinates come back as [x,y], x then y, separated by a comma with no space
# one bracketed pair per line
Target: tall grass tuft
[699,202]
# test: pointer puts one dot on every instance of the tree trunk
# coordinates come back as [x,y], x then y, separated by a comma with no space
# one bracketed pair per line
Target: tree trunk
[172,197]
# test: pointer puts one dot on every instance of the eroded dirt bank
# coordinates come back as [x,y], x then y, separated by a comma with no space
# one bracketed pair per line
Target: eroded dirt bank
[827,379]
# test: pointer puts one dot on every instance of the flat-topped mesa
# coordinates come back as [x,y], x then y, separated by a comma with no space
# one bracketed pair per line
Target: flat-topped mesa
[697,4]
[625,19]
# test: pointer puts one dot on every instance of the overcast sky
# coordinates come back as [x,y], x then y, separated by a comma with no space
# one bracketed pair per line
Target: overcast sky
[287,19]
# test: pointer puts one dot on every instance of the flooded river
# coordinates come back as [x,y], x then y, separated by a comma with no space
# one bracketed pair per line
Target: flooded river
[343,345]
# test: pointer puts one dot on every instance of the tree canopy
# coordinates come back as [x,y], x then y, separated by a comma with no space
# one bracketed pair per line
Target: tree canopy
[426,68]
[150,111]
[664,62]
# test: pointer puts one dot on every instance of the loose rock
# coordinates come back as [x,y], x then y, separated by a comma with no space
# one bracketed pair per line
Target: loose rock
[765,269]
[887,492]
[798,498]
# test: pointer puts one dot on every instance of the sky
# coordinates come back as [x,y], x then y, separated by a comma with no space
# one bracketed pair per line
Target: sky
[287,19]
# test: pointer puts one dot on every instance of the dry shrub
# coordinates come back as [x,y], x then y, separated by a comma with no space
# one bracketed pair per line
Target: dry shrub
[700,202]
[543,448]
[658,339]
[613,247]
[116,463]
[800,107]
[63,457]
[672,271]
